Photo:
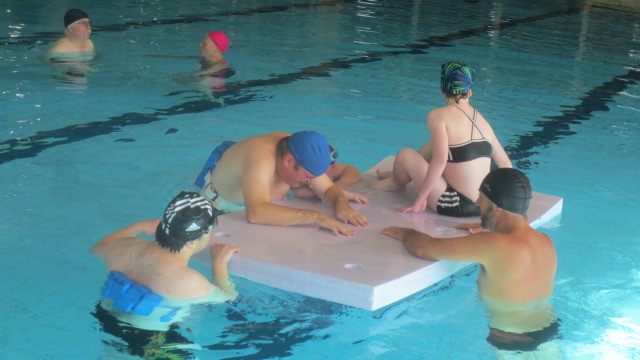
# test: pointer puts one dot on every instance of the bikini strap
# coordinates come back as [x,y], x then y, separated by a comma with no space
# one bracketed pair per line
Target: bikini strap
[474,125]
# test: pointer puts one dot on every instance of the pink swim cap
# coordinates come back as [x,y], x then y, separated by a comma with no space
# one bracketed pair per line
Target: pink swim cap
[220,40]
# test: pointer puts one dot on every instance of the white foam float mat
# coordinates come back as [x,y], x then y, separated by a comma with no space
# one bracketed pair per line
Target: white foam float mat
[368,270]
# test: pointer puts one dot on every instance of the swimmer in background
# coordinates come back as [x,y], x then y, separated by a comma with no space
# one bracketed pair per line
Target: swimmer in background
[517,264]
[70,56]
[212,48]
[342,176]
[214,69]
[76,34]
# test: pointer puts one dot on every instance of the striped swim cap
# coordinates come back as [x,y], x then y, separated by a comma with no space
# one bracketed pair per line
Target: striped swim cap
[187,217]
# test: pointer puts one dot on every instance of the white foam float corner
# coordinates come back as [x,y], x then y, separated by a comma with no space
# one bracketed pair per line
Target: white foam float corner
[368,270]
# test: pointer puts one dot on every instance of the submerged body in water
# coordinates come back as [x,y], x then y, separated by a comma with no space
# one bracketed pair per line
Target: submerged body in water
[523,327]
[73,68]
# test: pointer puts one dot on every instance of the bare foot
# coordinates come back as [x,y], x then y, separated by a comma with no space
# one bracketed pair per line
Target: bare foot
[386,185]
[383,174]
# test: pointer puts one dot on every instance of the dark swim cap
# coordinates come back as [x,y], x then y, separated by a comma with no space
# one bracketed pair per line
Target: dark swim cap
[311,150]
[456,78]
[509,189]
[187,217]
[74,15]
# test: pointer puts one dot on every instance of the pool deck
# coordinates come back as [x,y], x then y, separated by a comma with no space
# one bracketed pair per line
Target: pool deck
[368,270]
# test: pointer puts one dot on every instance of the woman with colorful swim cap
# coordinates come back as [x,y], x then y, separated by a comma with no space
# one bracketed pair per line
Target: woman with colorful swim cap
[449,168]
[212,46]
[214,69]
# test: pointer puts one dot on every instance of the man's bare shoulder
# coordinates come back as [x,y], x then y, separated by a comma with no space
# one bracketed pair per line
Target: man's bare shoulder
[122,245]
[62,45]
[484,246]
[259,147]
[188,283]
[509,245]
[65,45]
[89,46]
[266,138]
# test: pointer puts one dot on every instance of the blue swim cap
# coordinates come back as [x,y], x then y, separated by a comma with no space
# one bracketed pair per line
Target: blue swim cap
[311,150]
[456,78]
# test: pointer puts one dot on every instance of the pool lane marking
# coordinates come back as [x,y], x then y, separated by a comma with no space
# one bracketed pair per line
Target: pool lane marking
[29,147]
[558,127]
[45,37]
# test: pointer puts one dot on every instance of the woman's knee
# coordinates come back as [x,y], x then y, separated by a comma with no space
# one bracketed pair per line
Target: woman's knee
[407,154]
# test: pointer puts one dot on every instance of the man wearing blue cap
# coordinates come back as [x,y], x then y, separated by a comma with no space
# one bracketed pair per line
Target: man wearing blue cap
[76,34]
[259,169]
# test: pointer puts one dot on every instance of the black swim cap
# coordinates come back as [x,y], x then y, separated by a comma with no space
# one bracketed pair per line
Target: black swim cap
[509,189]
[74,15]
[187,217]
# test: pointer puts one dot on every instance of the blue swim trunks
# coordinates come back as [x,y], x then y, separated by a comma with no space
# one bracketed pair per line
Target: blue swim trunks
[211,163]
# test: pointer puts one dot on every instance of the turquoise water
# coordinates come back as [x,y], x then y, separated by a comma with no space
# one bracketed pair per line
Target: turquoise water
[558,81]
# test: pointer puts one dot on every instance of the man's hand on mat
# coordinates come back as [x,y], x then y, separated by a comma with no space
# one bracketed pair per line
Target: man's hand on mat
[395,232]
[348,215]
[356,198]
[473,228]
[222,253]
[336,227]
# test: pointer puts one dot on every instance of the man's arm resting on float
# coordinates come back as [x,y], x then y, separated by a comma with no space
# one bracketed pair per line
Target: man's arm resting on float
[260,210]
[336,198]
[147,227]
[220,256]
[272,214]
[471,248]
[347,175]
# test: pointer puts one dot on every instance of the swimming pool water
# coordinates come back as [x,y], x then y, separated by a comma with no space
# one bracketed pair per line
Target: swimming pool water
[558,80]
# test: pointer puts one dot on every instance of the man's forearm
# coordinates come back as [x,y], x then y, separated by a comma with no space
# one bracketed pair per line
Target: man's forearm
[335,197]
[227,286]
[272,214]
[221,280]
[130,231]
[348,176]
[417,243]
